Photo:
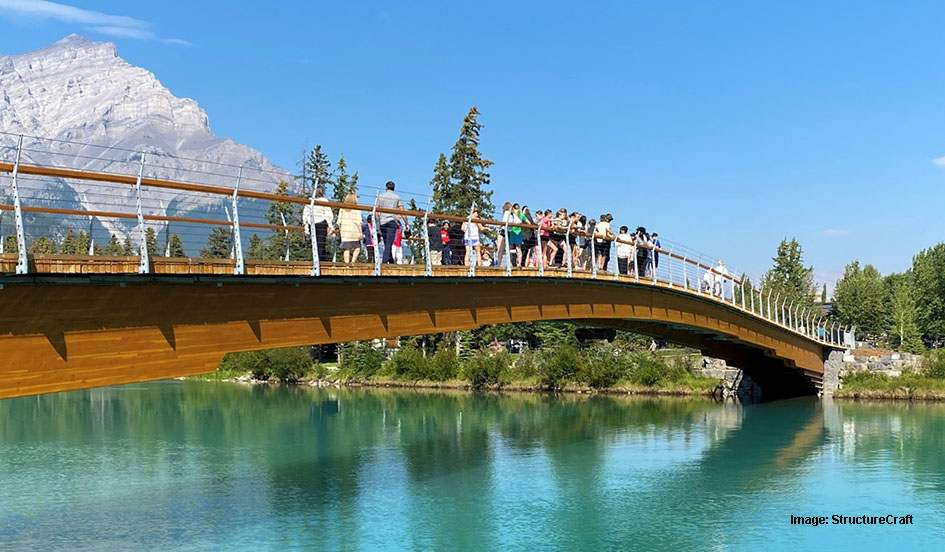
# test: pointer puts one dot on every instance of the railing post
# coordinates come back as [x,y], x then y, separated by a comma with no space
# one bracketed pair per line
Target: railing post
[284,223]
[567,248]
[426,245]
[652,261]
[833,335]
[770,317]
[472,250]
[237,240]
[669,266]
[685,273]
[541,252]
[751,290]
[733,292]
[377,255]
[145,265]
[316,262]
[636,265]
[22,262]
[508,252]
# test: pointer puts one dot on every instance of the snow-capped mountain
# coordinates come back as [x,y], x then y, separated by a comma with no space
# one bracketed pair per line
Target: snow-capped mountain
[99,111]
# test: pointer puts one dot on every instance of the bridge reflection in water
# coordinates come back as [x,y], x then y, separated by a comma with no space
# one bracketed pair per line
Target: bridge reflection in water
[75,321]
[317,468]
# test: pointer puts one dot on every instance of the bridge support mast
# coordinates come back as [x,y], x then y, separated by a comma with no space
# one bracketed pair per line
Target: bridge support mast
[22,263]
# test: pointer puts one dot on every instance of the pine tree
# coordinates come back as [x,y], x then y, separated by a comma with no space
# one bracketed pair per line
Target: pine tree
[42,246]
[257,249]
[903,329]
[113,247]
[128,248]
[344,183]
[317,172]
[469,178]
[68,245]
[219,244]
[823,295]
[176,247]
[82,243]
[788,277]
[150,238]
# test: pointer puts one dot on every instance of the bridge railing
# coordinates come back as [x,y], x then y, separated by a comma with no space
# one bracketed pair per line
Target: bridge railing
[142,196]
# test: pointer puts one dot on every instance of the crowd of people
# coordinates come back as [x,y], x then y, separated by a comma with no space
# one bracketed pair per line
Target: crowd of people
[545,238]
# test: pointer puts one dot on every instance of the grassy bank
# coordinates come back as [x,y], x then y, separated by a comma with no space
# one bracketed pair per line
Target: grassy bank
[569,368]
[929,384]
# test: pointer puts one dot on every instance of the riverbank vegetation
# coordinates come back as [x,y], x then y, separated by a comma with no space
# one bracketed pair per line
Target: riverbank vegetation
[599,366]
[927,384]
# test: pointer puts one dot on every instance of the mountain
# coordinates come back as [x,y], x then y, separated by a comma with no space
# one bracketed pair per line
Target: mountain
[92,110]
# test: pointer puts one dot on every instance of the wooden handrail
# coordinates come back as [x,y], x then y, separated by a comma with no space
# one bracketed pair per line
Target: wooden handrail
[222,191]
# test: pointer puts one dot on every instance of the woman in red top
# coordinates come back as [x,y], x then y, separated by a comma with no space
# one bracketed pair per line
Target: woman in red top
[398,250]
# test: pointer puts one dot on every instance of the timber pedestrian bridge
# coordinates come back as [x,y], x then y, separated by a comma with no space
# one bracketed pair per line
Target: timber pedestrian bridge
[72,321]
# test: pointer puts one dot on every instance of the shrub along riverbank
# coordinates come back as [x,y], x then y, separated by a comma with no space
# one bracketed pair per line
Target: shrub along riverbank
[601,367]
[927,384]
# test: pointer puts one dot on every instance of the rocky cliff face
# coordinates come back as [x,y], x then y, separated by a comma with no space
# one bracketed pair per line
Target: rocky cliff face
[81,106]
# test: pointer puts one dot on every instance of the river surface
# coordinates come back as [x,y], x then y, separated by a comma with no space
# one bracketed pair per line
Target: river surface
[200,466]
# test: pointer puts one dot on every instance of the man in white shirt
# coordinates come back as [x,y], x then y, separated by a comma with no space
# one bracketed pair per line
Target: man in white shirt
[720,273]
[317,222]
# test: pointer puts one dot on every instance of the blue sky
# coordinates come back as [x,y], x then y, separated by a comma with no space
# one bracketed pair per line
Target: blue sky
[724,125]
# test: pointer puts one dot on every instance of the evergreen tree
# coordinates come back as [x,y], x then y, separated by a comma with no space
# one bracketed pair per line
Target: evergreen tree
[859,297]
[150,238]
[219,244]
[176,247]
[468,175]
[903,329]
[42,246]
[788,277]
[113,247]
[97,250]
[257,249]
[344,183]
[82,243]
[317,172]
[68,245]
[128,248]
[823,295]
[300,245]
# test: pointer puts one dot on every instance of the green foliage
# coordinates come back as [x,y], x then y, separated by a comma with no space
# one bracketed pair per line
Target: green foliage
[150,237]
[526,365]
[176,246]
[934,364]
[68,245]
[559,366]
[219,244]
[823,295]
[82,243]
[408,363]
[113,247]
[468,180]
[42,246]
[902,315]
[484,369]
[650,370]
[789,278]
[444,365]
[128,248]
[10,244]
[601,368]
[859,299]
[359,359]
[344,183]
[928,270]
[257,248]
[317,172]
[288,364]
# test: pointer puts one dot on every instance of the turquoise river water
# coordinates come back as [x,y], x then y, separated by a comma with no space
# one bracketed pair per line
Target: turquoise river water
[221,466]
